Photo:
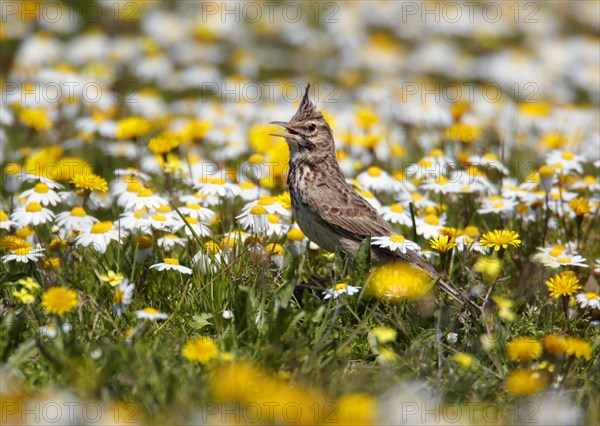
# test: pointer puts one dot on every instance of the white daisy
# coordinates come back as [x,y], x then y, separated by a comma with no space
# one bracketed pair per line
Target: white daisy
[99,236]
[199,228]
[170,241]
[497,205]
[24,255]
[122,296]
[196,211]
[74,220]
[150,314]
[395,243]
[171,264]
[378,180]
[41,193]
[418,200]
[32,214]
[145,198]
[270,204]
[565,161]
[396,214]
[591,300]
[6,223]
[210,258]
[340,289]
[430,225]
[217,186]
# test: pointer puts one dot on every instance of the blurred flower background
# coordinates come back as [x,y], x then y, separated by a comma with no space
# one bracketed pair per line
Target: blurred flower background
[151,265]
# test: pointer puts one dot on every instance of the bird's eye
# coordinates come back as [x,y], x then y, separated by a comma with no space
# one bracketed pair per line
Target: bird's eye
[312,127]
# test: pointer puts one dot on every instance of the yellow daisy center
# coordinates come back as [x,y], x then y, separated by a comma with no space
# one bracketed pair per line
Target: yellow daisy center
[397,208]
[568,155]
[78,212]
[33,207]
[171,261]
[145,193]
[374,171]
[101,227]
[397,239]
[432,219]
[41,188]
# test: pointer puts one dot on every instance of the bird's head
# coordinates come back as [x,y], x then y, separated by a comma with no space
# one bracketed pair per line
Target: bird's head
[307,133]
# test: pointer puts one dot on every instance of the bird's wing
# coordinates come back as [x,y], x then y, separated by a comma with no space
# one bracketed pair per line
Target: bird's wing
[346,211]
[351,216]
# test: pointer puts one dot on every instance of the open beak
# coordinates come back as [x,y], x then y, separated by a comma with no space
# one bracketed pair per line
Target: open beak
[290,134]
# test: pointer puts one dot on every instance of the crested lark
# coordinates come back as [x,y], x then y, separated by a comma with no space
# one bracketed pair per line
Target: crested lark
[327,209]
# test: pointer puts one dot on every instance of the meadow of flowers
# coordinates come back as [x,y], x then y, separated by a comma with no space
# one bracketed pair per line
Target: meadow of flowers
[152,271]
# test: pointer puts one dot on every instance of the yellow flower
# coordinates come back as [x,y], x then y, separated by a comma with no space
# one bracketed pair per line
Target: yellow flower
[112,277]
[521,382]
[489,267]
[563,284]
[90,181]
[465,360]
[384,334]
[24,296]
[356,409]
[165,142]
[498,239]
[463,132]
[555,344]
[285,200]
[35,118]
[523,349]
[366,118]
[443,243]
[581,206]
[200,349]
[30,284]
[132,127]
[398,281]
[196,129]
[578,348]
[59,300]
[504,308]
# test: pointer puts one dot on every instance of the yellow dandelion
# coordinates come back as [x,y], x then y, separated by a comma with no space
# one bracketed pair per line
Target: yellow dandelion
[489,267]
[356,409]
[398,281]
[563,284]
[581,206]
[555,344]
[521,382]
[366,118]
[505,306]
[523,349]
[59,300]
[443,243]
[200,349]
[500,238]
[578,348]
[463,132]
[384,334]
[132,127]
[36,118]
[90,181]
[465,360]
[165,142]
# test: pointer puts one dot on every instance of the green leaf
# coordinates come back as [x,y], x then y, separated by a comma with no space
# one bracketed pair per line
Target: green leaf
[200,321]
[362,263]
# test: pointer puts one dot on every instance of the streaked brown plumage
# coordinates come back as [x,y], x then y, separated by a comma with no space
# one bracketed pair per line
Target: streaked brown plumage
[327,209]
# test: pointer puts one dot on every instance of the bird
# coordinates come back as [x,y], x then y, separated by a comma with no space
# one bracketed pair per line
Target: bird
[327,209]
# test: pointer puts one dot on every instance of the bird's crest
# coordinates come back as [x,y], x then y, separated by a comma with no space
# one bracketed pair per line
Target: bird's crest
[307,109]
